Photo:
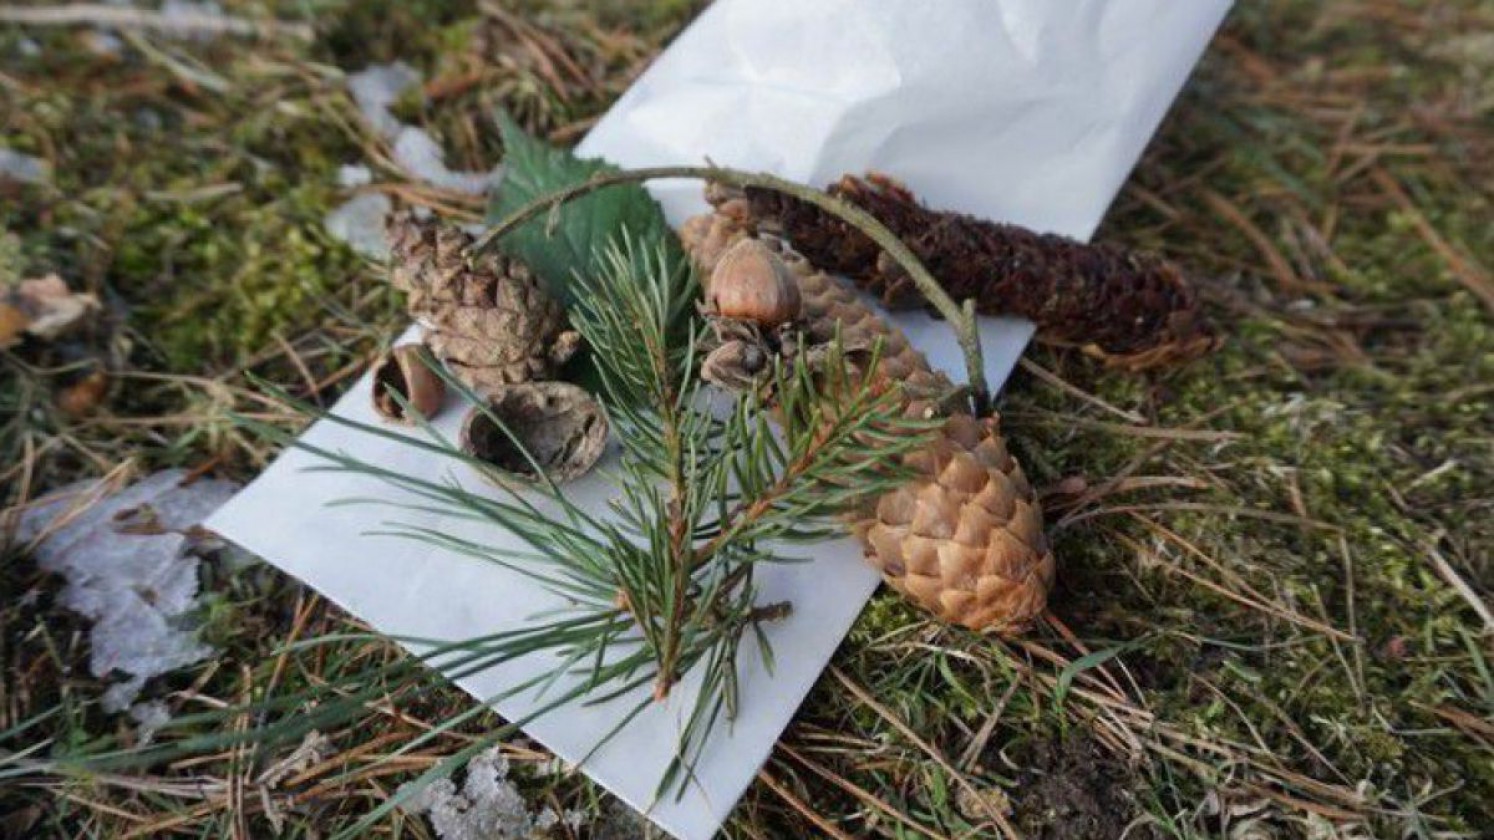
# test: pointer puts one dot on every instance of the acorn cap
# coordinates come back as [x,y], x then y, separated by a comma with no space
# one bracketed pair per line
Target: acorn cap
[560,426]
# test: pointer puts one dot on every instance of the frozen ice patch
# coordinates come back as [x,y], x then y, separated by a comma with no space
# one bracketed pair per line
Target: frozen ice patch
[185,19]
[488,807]
[359,222]
[419,155]
[23,168]
[149,717]
[353,175]
[130,563]
[103,42]
[376,88]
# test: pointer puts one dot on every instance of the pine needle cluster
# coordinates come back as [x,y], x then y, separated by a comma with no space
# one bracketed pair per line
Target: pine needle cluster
[707,487]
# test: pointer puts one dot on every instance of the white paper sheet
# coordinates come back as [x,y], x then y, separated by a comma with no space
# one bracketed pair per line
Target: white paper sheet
[1031,111]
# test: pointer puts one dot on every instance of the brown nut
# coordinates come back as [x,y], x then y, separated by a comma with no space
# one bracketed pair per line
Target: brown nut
[752,283]
[406,371]
[561,427]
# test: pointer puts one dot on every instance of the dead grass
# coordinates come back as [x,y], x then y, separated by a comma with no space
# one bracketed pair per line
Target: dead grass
[1276,564]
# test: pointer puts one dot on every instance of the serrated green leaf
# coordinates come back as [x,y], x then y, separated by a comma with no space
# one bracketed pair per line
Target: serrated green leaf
[558,246]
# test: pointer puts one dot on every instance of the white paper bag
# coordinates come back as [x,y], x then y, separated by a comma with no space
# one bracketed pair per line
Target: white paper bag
[1028,111]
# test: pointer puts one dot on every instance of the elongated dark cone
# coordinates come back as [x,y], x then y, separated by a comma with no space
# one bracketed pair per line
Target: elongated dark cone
[964,537]
[490,322]
[1132,309]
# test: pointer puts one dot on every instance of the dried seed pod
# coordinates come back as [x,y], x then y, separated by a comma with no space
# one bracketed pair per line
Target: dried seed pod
[561,426]
[406,371]
[963,537]
[735,365]
[1132,309]
[751,283]
[44,308]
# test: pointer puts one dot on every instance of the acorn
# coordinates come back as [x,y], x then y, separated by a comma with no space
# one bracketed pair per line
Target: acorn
[406,371]
[752,283]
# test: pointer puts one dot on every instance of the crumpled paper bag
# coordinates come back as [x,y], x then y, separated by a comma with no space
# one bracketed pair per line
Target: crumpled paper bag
[1029,111]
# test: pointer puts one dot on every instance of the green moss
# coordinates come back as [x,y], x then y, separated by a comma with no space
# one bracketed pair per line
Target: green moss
[199,215]
[220,282]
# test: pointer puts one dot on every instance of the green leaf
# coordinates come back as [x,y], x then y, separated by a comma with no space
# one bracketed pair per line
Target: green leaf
[1087,662]
[558,246]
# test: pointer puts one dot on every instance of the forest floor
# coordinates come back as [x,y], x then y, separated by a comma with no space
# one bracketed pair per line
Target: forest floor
[1276,564]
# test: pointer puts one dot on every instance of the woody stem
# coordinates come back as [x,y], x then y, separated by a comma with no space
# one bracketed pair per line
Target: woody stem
[961,319]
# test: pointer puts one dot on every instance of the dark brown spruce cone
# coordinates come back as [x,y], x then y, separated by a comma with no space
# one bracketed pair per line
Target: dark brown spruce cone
[1134,310]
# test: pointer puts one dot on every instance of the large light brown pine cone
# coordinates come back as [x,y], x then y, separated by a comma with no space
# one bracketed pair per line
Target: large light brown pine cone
[964,539]
[491,322]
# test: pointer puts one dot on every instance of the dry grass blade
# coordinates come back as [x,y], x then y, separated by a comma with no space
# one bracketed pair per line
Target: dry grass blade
[1060,383]
[829,829]
[1474,277]
[1247,595]
[863,696]
[99,14]
[861,794]
[1446,571]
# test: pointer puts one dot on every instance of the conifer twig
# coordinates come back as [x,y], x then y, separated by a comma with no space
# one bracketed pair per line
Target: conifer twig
[961,318]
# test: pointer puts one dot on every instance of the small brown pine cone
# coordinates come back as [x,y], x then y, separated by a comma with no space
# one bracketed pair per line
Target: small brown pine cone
[1132,309]
[964,538]
[490,322]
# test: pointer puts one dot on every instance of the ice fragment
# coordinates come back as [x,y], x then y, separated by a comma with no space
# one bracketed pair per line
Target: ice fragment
[130,568]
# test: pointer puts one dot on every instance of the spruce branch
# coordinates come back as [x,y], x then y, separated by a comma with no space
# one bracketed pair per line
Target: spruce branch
[962,318]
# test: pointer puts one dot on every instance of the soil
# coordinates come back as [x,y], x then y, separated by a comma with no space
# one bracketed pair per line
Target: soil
[1073,790]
